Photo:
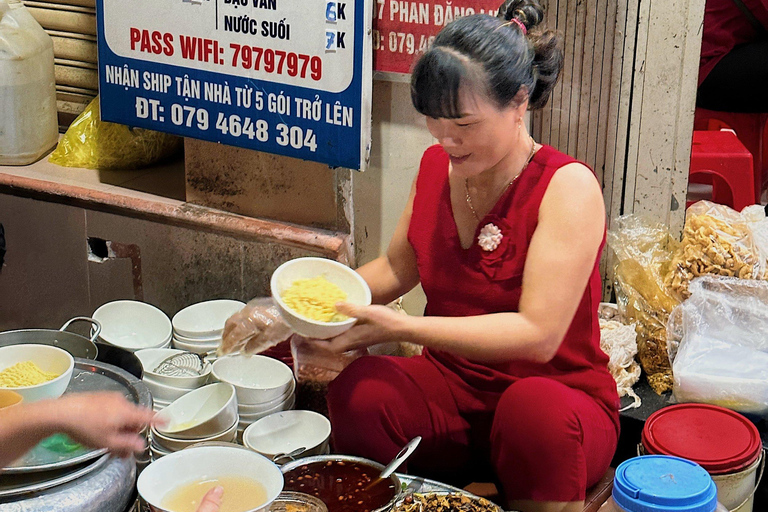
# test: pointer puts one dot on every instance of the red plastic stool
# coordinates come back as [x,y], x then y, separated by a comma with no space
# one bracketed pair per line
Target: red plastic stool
[751,131]
[720,159]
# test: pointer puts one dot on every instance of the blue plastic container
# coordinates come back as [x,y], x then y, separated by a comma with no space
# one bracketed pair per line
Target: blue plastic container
[662,483]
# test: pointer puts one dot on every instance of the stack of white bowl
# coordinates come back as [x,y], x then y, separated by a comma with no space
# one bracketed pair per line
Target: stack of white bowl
[263,385]
[133,325]
[198,328]
[204,414]
[167,388]
[294,433]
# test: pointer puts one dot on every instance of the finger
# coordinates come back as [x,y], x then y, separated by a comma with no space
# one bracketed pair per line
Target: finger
[126,443]
[212,500]
[349,309]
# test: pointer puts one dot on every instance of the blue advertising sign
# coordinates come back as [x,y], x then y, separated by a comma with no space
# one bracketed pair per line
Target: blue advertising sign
[290,77]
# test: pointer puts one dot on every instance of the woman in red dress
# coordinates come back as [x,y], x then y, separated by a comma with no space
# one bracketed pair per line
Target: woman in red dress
[505,237]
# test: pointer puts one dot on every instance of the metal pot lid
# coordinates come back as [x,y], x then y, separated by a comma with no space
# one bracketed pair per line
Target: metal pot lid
[27,483]
[88,376]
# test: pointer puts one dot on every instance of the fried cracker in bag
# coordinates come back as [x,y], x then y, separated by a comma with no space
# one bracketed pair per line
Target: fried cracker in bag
[643,252]
[717,240]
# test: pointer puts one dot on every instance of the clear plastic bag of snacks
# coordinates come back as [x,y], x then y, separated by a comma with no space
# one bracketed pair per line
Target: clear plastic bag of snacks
[717,240]
[643,252]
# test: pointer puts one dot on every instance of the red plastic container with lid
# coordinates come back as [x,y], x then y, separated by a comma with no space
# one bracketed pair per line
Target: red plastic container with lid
[722,441]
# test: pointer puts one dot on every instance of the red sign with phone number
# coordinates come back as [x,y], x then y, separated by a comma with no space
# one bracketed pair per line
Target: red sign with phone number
[403,29]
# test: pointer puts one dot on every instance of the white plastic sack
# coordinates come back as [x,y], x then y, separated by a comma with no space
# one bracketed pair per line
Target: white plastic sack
[722,357]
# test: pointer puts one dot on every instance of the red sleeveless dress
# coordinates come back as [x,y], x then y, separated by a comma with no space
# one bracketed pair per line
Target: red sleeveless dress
[465,282]
[544,432]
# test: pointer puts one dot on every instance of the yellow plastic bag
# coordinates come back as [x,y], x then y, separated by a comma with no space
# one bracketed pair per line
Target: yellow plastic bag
[94,144]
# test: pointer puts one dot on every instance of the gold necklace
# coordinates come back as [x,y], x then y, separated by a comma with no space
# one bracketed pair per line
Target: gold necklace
[466,181]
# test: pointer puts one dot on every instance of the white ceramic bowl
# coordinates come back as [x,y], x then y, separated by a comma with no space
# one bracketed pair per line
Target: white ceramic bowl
[207,341]
[205,319]
[265,406]
[133,325]
[164,392]
[197,348]
[203,412]
[304,268]
[152,357]
[173,444]
[257,379]
[286,431]
[49,359]
[247,419]
[207,462]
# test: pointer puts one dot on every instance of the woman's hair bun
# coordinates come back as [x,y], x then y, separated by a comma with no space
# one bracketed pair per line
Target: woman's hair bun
[528,12]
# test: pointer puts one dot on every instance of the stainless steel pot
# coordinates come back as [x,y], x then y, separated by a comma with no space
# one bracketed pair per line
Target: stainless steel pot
[348,458]
[75,344]
[110,488]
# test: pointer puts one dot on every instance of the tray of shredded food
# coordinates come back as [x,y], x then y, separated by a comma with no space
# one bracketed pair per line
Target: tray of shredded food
[445,502]
[58,451]
[424,495]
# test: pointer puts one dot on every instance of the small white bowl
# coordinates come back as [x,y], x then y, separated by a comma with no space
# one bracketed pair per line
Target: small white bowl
[203,412]
[49,359]
[305,268]
[133,325]
[173,444]
[257,379]
[164,392]
[197,348]
[286,431]
[152,357]
[247,419]
[212,339]
[205,319]
[265,406]
[207,462]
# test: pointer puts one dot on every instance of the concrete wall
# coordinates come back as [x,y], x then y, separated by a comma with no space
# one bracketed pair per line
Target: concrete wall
[51,275]
[399,138]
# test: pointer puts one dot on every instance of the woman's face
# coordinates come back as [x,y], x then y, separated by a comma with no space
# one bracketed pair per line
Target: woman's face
[482,138]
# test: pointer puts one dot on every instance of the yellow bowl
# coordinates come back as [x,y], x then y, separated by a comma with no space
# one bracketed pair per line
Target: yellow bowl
[9,398]
[306,268]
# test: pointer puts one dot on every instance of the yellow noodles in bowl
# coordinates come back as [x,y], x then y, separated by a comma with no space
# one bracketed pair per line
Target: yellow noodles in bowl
[24,374]
[315,298]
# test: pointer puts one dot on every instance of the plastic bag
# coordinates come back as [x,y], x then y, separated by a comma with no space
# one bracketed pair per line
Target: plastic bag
[95,144]
[716,240]
[619,342]
[315,367]
[255,328]
[722,357]
[758,224]
[643,251]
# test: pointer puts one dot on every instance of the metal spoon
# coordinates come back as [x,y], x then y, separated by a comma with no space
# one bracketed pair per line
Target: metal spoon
[396,462]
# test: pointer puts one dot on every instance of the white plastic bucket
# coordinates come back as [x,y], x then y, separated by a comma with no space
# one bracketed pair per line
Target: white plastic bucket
[736,491]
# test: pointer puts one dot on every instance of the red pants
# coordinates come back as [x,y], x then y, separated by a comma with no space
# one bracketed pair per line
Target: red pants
[542,441]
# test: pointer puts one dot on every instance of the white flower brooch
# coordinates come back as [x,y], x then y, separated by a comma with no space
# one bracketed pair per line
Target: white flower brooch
[489,238]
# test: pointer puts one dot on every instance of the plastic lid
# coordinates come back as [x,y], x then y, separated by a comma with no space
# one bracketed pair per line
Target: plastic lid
[718,439]
[661,483]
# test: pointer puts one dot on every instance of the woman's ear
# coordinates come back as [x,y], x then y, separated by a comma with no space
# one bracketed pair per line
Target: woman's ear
[521,101]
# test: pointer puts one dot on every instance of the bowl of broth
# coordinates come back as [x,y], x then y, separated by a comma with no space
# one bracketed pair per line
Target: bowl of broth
[178,482]
[344,483]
